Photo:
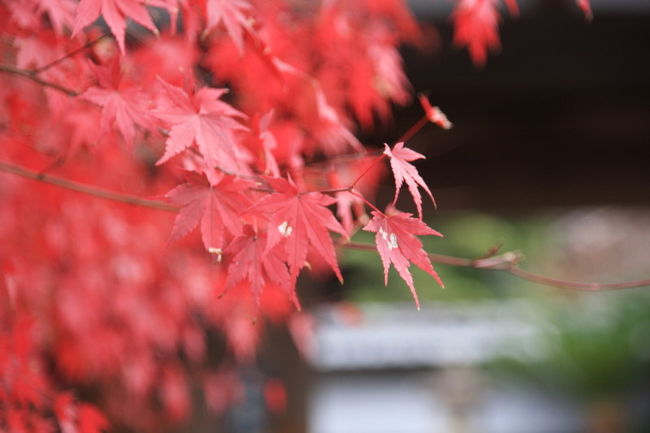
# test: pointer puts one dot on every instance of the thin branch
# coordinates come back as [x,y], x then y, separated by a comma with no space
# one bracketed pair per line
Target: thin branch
[68,55]
[86,189]
[366,201]
[329,191]
[508,262]
[576,285]
[406,136]
[29,75]
[253,177]
[354,183]
[341,159]
[367,170]
[413,129]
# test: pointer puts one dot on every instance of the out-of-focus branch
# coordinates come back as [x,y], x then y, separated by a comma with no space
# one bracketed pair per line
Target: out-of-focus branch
[86,189]
[67,55]
[507,262]
[32,76]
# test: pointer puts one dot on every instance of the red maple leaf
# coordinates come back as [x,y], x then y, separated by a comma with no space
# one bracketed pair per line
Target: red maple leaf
[215,206]
[331,129]
[91,420]
[75,417]
[252,261]
[203,119]
[234,16]
[115,12]
[585,6]
[434,113]
[475,25]
[122,104]
[513,7]
[275,395]
[400,157]
[262,141]
[397,244]
[300,220]
[365,173]
[60,13]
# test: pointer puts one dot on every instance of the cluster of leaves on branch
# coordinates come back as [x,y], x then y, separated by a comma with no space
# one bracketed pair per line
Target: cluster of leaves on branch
[242,115]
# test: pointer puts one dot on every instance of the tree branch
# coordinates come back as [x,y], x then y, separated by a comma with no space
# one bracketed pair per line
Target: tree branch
[506,262]
[413,129]
[30,75]
[68,55]
[86,189]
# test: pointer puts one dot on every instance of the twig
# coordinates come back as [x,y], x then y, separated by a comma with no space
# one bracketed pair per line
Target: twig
[576,285]
[67,56]
[365,200]
[34,78]
[86,189]
[507,262]
[367,170]
[350,187]
[413,129]
[340,159]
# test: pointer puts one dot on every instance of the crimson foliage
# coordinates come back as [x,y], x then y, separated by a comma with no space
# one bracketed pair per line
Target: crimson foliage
[241,115]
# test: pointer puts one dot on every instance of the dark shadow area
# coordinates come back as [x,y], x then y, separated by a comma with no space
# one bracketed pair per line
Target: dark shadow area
[559,117]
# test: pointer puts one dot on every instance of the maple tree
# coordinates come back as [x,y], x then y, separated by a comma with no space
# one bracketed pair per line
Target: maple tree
[239,116]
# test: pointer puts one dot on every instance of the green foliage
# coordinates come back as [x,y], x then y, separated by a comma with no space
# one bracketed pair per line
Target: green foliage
[597,346]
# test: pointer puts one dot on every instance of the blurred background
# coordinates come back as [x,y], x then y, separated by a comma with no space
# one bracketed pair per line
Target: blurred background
[550,155]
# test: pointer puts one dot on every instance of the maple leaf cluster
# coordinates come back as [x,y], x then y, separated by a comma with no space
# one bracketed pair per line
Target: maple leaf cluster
[238,115]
